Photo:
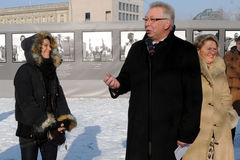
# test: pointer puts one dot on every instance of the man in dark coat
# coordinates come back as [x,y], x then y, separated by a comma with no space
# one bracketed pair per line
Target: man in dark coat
[163,74]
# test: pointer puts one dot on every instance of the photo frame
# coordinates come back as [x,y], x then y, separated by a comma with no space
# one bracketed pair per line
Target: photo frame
[230,39]
[65,45]
[127,39]
[17,51]
[181,34]
[97,46]
[197,33]
[3,55]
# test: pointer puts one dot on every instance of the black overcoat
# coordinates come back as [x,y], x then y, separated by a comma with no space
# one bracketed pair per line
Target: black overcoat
[165,100]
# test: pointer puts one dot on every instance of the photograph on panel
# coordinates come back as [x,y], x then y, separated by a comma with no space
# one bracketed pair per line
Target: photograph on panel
[17,51]
[197,33]
[65,45]
[127,39]
[97,46]
[230,39]
[181,34]
[3,56]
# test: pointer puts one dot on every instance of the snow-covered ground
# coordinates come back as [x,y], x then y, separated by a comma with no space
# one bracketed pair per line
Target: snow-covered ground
[100,134]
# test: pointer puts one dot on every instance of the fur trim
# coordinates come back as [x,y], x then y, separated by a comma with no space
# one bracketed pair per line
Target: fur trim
[233,117]
[216,68]
[47,123]
[37,45]
[73,121]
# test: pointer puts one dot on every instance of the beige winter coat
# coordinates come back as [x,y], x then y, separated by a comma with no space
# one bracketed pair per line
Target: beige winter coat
[217,115]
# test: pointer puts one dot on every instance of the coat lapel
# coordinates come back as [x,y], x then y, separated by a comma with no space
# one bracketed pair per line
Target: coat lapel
[216,68]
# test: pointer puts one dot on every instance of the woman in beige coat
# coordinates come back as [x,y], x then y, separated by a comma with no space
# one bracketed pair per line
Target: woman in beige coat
[214,141]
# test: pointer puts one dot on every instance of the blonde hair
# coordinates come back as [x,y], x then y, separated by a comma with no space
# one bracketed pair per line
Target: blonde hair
[200,40]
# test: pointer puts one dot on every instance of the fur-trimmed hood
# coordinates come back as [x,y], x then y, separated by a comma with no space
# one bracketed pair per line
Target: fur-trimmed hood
[216,68]
[32,49]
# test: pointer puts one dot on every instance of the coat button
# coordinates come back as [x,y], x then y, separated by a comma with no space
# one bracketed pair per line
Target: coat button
[43,97]
[215,125]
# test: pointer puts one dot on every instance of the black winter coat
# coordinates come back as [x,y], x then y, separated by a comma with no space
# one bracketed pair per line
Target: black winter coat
[165,100]
[31,94]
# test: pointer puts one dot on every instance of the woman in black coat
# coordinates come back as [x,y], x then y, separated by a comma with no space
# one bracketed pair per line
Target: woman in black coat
[41,109]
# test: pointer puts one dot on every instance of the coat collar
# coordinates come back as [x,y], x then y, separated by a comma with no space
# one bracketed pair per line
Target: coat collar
[216,68]
[234,50]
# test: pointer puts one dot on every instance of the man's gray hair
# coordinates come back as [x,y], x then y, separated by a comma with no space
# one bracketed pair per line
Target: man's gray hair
[168,10]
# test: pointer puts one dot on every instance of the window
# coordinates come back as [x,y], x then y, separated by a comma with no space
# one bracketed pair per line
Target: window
[22,20]
[123,16]
[15,21]
[123,6]
[36,20]
[130,7]
[51,19]
[137,8]
[120,5]
[137,17]
[134,17]
[127,7]
[126,17]
[29,20]
[87,16]
[44,20]
[130,17]
[119,16]
[61,18]
[134,8]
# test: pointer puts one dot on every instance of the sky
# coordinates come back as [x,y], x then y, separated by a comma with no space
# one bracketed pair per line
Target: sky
[184,9]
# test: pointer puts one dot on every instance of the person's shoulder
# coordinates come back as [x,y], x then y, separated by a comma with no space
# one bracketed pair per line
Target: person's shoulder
[24,69]
[138,43]
[183,43]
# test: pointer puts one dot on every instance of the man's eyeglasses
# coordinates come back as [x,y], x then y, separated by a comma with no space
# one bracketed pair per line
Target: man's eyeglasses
[152,20]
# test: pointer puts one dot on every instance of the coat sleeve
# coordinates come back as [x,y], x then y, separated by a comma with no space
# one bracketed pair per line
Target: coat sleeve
[123,77]
[192,97]
[28,110]
[63,111]
[226,101]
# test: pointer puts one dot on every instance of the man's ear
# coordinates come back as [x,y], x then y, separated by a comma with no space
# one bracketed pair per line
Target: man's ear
[168,24]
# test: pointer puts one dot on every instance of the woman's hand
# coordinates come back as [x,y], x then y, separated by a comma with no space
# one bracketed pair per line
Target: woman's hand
[61,128]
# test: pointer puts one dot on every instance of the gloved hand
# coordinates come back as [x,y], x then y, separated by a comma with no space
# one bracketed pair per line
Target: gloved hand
[57,125]
[56,137]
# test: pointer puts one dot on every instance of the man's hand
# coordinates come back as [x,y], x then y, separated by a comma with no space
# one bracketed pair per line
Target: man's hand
[110,81]
[182,144]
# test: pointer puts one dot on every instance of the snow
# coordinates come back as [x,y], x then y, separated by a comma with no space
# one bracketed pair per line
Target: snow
[100,134]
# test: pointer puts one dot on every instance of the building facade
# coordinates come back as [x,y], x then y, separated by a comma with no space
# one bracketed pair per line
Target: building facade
[74,11]
[105,10]
[47,13]
[209,14]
